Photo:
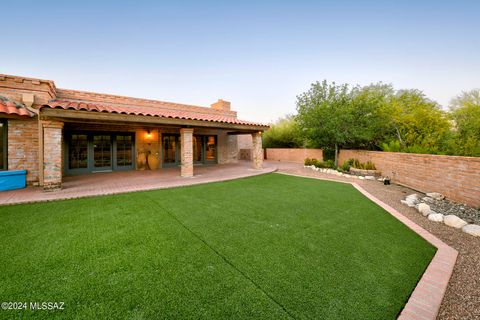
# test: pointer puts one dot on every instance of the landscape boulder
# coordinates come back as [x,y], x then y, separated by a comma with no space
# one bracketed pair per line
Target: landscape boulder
[436,195]
[472,229]
[436,217]
[454,221]
[411,200]
[424,209]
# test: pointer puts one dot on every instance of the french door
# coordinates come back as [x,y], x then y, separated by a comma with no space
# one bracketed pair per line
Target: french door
[170,150]
[98,152]
[204,149]
[102,152]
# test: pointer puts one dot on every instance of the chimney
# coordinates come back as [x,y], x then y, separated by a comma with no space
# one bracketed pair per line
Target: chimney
[221,105]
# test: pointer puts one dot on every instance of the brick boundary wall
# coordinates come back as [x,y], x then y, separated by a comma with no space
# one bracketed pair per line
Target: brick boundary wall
[293,155]
[455,177]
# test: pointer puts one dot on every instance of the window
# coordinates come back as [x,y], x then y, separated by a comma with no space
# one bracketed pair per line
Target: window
[3,145]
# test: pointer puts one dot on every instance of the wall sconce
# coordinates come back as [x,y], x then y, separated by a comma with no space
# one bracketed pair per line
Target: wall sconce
[148,137]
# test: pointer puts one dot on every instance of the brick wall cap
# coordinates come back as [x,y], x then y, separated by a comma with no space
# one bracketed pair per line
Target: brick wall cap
[34,81]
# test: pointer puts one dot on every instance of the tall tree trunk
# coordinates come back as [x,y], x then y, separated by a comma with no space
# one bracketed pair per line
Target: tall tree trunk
[399,137]
[336,155]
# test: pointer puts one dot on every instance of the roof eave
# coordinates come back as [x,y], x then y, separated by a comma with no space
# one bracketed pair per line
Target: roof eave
[76,116]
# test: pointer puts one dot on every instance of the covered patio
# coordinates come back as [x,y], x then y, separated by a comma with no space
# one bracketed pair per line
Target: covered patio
[96,184]
[93,138]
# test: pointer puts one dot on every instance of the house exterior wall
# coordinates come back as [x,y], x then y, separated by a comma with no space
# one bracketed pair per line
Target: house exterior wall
[52,155]
[245,146]
[14,87]
[23,147]
[455,177]
[39,149]
[148,146]
[227,148]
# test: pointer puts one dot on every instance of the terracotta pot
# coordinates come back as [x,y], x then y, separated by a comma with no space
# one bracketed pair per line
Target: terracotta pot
[153,162]
[141,161]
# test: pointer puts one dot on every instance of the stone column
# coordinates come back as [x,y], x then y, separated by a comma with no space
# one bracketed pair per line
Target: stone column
[257,151]
[52,155]
[186,152]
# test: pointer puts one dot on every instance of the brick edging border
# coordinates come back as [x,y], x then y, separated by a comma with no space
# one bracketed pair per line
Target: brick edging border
[426,299]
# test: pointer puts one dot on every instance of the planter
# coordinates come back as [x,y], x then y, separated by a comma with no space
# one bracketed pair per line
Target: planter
[13,179]
[363,172]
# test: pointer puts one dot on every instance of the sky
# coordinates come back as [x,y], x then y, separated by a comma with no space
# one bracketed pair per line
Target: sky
[257,54]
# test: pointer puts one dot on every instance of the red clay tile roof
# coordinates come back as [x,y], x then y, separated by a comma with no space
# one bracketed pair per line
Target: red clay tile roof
[10,107]
[145,111]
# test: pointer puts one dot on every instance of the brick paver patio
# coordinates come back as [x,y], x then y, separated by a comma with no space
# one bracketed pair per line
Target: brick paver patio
[128,181]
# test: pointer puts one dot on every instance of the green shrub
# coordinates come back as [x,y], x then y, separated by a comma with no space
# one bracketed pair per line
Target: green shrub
[329,164]
[345,166]
[320,164]
[355,163]
[392,146]
[370,166]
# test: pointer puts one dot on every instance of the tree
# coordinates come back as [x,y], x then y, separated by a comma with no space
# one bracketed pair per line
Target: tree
[325,115]
[466,98]
[419,124]
[285,133]
[465,112]
[372,115]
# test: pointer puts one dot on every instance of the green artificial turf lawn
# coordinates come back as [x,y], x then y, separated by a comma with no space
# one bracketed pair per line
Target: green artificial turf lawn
[265,247]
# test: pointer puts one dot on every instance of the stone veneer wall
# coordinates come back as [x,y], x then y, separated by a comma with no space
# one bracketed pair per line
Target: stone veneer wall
[455,177]
[186,152]
[245,146]
[257,150]
[23,147]
[227,151]
[293,155]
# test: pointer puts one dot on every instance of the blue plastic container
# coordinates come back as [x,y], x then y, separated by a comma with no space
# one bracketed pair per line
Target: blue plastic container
[13,179]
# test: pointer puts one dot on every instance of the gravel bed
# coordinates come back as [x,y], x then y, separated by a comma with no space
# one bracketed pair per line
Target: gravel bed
[462,298]
[446,207]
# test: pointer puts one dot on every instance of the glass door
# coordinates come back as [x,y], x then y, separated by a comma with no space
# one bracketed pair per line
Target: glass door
[77,153]
[170,150]
[197,149]
[124,150]
[102,152]
[210,149]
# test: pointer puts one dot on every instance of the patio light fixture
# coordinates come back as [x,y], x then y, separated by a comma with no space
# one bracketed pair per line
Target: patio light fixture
[148,135]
